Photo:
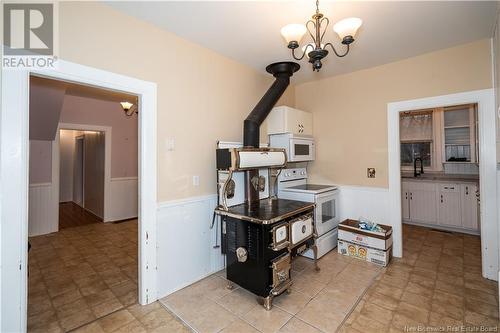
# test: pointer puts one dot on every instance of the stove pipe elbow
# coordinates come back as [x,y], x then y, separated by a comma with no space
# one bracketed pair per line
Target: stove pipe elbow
[282,71]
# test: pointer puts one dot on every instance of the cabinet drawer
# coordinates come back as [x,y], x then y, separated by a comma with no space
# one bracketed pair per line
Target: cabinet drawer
[449,188]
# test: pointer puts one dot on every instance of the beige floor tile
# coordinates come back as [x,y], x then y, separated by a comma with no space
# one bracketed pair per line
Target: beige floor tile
[314,314]
[76,319]
[106,307]
[480,296]
[479,319]
[482,308]
[156,318]
[388,290]
[90,328]
[310,287]
[366,324]
[173,326]
[384,301]
[419,314]
[267,321]
[438,320]
[115,320]
[239,326]
[448,309]
[239,301]
[211,319]
[293,302]
[418,289]
[138,311]
[417,300]
[378,313]
[52,327]
[296,325]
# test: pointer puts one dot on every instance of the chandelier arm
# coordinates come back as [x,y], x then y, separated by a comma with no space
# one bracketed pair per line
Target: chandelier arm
[326,28]
[309,31]
[335,51]
[303,54]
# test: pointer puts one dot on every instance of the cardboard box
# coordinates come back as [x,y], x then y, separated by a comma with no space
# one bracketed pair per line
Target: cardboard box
[379,257]
[349,231]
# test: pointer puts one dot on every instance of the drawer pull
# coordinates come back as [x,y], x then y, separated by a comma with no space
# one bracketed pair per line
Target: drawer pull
[441,198]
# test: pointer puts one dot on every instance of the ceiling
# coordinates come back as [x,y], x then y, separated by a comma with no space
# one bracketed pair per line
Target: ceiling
[249,32]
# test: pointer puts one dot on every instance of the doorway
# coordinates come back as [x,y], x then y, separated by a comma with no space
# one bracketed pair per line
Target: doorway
[81,169]
[487,168]
[88,268]
[15,180]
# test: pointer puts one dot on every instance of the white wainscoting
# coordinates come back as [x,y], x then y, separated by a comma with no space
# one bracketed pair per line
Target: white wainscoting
[42,217]
[185,243]
[123,199]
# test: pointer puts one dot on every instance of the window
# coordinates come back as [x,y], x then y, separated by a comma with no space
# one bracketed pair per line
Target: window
[412,150]
[416,136]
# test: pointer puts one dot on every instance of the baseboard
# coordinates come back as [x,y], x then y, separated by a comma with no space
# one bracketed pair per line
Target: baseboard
[444,228]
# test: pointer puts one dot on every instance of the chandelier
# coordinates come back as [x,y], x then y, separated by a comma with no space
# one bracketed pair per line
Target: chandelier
[317,26]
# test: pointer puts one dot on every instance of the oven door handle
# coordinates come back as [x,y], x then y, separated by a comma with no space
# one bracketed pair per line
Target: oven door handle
[280,247]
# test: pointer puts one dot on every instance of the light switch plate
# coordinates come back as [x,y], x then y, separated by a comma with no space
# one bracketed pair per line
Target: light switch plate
[370,172]
[170,144]
[196,180]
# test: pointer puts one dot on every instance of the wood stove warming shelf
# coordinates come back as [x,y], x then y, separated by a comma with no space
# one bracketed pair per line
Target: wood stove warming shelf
[260,236]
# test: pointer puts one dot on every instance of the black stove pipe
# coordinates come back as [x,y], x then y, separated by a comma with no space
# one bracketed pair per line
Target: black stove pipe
[282,71]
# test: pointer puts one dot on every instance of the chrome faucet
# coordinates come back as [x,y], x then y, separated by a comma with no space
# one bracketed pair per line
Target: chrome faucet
[415,172]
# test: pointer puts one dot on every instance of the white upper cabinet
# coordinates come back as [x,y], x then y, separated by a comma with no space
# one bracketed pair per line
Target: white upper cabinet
[284,119]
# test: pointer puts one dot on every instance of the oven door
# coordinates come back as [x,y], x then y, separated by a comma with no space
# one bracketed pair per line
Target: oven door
[301,150]
[326,214]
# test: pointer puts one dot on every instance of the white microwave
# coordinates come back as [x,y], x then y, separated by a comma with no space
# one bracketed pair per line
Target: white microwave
[298,148]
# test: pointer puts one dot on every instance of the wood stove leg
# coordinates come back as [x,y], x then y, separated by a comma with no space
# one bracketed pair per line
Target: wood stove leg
[266,302]
[229,285]
[315,252]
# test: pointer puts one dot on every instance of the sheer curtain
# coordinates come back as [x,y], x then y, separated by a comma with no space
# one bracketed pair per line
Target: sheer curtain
[415,128]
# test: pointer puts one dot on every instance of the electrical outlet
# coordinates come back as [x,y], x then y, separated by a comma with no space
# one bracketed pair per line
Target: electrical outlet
[196,180]
[170,144]
[370,172]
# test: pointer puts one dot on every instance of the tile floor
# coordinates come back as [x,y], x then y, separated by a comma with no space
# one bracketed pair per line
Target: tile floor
[88,274]
[80,274]
[437,284]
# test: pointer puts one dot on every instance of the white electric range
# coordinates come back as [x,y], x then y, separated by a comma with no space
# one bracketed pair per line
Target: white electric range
[292,184]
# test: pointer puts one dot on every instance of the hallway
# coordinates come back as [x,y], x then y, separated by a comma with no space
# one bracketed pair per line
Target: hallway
[72,215]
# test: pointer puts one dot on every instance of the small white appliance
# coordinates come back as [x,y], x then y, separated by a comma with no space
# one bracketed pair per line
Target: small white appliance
[292,184]
[298,148]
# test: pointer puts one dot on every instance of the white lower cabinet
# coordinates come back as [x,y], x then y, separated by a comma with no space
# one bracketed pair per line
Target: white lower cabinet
[449,209]
[470,211]
[450,206]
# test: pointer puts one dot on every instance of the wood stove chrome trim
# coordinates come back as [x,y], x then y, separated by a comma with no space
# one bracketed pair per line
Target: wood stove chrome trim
[221,211]
[277,246]
[235,157]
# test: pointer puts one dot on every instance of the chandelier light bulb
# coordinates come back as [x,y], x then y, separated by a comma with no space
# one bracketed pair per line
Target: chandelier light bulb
[347,27]
[293,32]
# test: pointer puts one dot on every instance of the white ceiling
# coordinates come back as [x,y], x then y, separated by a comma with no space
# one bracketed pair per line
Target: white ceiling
[249,32]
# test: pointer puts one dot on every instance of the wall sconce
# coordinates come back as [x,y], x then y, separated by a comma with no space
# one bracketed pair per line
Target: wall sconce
[128,108]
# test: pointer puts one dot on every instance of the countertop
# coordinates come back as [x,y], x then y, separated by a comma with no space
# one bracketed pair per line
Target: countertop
[268,211]
[440,178]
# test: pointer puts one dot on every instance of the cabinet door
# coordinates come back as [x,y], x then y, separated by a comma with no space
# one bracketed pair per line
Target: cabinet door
[469,206]
[405,204]
[449,205]
[299,122]
[423,204]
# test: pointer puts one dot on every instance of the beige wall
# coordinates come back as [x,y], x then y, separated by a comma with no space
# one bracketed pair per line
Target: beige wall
[202,96]
[349,111]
